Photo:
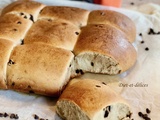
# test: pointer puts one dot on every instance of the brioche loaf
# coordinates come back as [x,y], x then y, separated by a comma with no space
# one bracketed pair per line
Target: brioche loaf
[91,100]
[73,15]
[115,19]
[101,48]
[26,9]
[38,68]
[6,47]
[58,33]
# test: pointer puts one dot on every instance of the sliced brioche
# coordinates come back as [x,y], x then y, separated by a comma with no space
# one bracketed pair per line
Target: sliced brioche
[27,9]
[13,27]
[76,16]
[103,49]
[5,51]
[115,19]
[57,33]
[39,68]
[91,100]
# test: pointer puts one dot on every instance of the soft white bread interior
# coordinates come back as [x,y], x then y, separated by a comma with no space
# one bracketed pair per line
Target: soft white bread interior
[6,47]
[24,8]
[102,48]
[86,99]
[58,33]
[73,15]
[116,19]
[38,68]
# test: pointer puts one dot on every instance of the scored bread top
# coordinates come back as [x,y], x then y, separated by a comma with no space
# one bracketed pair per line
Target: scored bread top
[38,67]
[24,7]
[58,33]
[76,16]
[13,27]
[6,47]
[106,40]
[116,19]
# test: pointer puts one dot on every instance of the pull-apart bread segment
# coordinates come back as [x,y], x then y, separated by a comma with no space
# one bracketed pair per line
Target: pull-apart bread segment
[54,32]
[6,47]
[103,49]
[13,27]
[73,15]
[27,9]
[39,68]
[115,19]
[91,100]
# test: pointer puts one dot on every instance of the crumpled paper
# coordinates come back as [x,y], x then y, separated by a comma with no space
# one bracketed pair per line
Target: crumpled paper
[140,85]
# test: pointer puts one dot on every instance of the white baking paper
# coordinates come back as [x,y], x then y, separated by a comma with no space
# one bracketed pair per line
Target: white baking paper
[140,85]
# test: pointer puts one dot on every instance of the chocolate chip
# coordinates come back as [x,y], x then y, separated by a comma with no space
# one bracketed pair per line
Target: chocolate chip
[16,116]
[10,62]
[151,31]
[21,13]
[77,33]
[70,65]
[5,114]
[148,111]
[31,91]
[19,22]
[81,71]
[109,108]
[129,115]
[140,34]
[36,117]
[147,49]
[15,29]
[140,114]
[41,119]
[104,83]
[1,115]
[132,3]
[158,32]
[119,71]
[25,17]
[92,64]
[98,86]
[29,86]
[13,83]
[106,114]
[77,71]
[12,116]
[142,41]
[22,41]
[31,18]
[49,20]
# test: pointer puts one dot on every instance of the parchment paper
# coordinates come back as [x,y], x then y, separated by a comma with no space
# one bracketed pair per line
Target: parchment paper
[140,85]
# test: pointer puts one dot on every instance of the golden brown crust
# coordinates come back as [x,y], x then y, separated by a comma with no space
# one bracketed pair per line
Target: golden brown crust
[57,33]
[116,19]
[13,27]
[106,40]
[93,95]
[5,51]
[38,68]
[29,7]
[76,16]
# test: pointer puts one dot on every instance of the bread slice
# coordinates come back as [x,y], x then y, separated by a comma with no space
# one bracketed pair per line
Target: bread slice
[25,8]
[116,19]
[86,99]
[101,48]
[39,68]
[54,32]
[75,16]
[6,47]
[13,27]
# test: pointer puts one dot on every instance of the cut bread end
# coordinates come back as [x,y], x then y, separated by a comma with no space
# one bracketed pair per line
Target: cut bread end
[70,111]
[96,63]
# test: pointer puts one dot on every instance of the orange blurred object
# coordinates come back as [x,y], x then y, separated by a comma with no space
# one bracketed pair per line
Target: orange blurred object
[114,3]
